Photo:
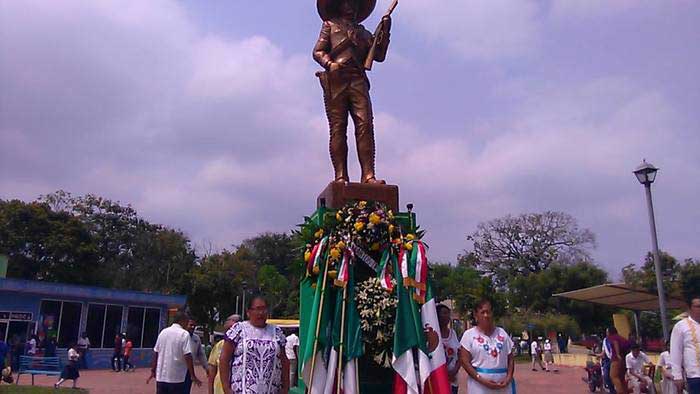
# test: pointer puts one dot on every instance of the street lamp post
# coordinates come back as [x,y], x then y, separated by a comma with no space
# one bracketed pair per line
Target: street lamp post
[646,174]
[245,285]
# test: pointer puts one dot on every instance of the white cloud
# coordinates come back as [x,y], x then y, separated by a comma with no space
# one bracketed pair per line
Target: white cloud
[477,29]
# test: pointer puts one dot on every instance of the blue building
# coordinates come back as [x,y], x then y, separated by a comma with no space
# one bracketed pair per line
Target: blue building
[65,311]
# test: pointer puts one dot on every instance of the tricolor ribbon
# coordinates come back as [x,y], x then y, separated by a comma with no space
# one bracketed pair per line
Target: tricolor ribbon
[404,268]
[344,270]
[420,262]
[314,264]
[383,275]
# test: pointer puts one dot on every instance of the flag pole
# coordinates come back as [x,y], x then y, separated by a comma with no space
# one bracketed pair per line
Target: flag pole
[318,323]
[342,339]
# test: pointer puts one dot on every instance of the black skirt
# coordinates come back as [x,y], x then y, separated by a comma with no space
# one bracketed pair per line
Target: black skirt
[70,371]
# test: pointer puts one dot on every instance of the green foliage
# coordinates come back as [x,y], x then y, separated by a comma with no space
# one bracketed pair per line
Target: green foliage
[275,287]
[92,240]
[465,286]
[541,324]
[215,284]
[645,276]
[533,293]
[690,278]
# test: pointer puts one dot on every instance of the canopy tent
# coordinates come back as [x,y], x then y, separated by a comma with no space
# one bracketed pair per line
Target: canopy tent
[623,296]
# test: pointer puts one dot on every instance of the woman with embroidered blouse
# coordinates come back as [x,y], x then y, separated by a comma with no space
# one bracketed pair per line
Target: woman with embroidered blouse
[254,353]
[486,353]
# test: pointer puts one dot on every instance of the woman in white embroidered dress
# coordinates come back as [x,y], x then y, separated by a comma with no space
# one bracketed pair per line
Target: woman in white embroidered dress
[486,354]
[254,353]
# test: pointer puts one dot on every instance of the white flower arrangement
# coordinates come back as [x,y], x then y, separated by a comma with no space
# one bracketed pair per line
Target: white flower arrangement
[377,309]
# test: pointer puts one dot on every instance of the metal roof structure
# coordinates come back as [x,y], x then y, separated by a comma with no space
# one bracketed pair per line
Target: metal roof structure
[622,296]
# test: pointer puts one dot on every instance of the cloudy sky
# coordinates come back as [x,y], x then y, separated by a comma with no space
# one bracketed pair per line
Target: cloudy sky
[206,116]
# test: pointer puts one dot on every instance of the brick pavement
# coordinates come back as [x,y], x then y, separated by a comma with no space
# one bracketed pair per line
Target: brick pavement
[566,381]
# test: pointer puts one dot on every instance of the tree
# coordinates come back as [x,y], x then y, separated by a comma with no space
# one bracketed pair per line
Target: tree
[533,294]
[275,287]
[45,245]
[216,282]
[690,278]
[645,276]
[275,249]
[465,286]
[509,247]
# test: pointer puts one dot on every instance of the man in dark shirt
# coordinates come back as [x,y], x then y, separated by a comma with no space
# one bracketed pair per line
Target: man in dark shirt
[4,349]
[117,355]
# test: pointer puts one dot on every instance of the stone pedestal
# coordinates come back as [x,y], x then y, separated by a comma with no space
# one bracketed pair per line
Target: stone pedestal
[337,194]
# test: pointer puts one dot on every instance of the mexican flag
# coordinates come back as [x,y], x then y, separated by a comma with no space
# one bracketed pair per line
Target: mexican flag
[410,343]
[332,323]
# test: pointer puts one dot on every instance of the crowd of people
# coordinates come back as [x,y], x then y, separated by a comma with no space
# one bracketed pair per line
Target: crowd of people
[256,357]
[625,366]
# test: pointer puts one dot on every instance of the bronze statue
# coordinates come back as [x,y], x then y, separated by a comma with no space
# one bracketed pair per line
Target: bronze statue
[345,49]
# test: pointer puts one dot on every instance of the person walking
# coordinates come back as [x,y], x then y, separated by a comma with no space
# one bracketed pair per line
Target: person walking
[128,345]
[536,354]
[117,354]
[451,345]
[605,359]
[253,358]
[214,376]
[486,353]
[172,358]
[198,354]
[549,356]
[635,361]
[292,350]
[665,367]
[83,347]
[70,370]
[619,347]
[685,348]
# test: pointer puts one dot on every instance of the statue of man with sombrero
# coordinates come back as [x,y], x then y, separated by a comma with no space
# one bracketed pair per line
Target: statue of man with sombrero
[342,50]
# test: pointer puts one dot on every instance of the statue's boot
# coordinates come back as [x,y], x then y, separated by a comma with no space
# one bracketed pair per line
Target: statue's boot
[338,147]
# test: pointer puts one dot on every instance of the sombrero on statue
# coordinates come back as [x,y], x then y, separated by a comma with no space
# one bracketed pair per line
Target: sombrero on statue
[328,9]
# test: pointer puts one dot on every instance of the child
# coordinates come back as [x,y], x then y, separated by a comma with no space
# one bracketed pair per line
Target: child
[70,370]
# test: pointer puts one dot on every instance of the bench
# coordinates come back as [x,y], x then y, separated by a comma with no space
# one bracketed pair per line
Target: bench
[38,366]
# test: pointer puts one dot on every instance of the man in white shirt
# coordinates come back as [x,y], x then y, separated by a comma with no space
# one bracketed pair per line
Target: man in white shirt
[172,358]
[635,361]
[685,348]
[292,349]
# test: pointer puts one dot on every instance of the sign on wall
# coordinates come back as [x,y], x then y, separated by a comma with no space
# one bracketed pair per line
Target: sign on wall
[23,316]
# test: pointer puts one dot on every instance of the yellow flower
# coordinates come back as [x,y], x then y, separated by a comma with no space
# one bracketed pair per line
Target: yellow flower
[375,246]
[362,204]
[359,226]
[390,214]
[340,245]
[307,256]
[319,233]
[338,216]
[408,245]
[374,218]
[335,253]
[332,274]
[391,228]
[410,237]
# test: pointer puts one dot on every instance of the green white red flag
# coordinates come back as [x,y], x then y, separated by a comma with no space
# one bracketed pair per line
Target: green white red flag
[409,337]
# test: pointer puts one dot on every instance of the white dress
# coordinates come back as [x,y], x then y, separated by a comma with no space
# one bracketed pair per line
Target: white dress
[667,386]
[256,367]
[451,345]
[489,357]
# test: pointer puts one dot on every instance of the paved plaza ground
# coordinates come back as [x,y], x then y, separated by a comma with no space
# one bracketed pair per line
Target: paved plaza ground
[566,381]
